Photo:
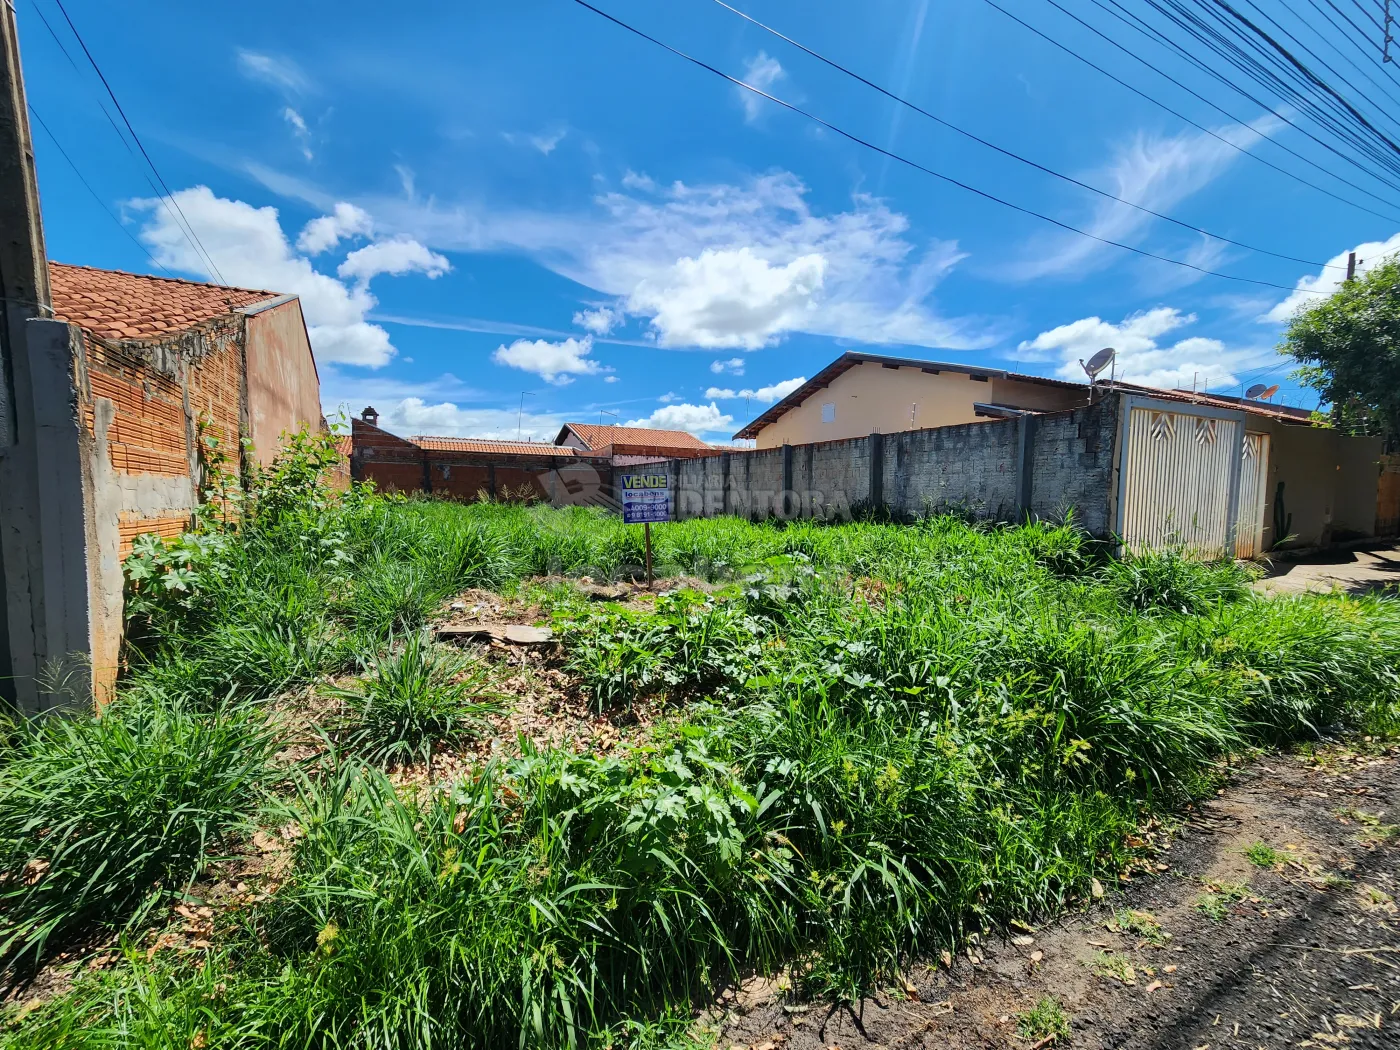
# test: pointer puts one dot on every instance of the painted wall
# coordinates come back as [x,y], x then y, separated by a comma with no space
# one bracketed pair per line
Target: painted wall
[873,398]
[1330,483]
[284,392]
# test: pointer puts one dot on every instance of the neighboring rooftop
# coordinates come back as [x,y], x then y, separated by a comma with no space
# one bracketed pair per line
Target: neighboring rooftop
[851,358]
[598,437]
[505,448]
[113,304]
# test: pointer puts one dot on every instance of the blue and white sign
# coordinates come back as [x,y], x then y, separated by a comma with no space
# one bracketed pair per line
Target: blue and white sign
[645,497]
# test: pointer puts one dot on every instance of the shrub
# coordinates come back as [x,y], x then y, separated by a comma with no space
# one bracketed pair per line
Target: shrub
[103,818]
[415,697]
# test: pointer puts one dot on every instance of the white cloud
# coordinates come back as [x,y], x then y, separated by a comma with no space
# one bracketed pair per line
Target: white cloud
[553,362]
[545,141]
[600,320]
[1154,171]
[632,180]
[670,396]
[695,419]
[729,298]
[414,415]
[734,366]
[764,394]
[276,70]
[1313,288]
[299,129]
[762,71]
[637,243]
[250,250]
[396,257]
[1142,356]
[327,231]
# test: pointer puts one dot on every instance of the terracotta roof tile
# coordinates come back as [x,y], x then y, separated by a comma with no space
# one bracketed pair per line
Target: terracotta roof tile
[597,436]
[509,448]
[114,304]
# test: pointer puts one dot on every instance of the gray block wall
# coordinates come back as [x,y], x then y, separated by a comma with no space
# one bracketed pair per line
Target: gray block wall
[1000,470]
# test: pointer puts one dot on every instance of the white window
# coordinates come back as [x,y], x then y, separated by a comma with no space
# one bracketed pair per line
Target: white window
[829,412]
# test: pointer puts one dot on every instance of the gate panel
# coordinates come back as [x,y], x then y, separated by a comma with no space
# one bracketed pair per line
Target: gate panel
[1254,480]
[1179,470]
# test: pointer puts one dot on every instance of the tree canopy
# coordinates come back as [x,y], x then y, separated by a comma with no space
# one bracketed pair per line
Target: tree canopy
[1349,348]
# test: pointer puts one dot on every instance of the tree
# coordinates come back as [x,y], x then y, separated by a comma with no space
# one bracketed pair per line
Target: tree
[1349,348]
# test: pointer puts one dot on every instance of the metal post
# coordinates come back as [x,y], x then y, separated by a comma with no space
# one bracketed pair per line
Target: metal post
[647,526]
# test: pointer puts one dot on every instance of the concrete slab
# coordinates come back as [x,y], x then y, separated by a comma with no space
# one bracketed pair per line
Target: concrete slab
[1358,571]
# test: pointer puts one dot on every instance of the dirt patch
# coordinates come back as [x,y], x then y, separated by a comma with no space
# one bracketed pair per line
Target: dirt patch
[1232,946]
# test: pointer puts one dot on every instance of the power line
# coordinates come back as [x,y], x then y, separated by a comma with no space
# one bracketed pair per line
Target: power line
[139,145]
[916,165]
[1202,128]
[103,204]
[1219,109]
[1009,153]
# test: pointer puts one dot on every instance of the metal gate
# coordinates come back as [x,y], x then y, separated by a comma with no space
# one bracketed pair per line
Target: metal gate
[1189,474]
[1254,480]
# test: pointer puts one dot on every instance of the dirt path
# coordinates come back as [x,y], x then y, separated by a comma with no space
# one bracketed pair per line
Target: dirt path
[1301,952]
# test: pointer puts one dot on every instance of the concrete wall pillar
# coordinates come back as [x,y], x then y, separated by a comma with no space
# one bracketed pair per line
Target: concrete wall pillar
[47,530]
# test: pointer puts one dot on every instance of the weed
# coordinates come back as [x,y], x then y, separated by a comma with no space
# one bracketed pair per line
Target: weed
[1046,1020]
[1116,967]
[102,818]
[1262,855]
[413,698]
[1215,902]
[1142,924]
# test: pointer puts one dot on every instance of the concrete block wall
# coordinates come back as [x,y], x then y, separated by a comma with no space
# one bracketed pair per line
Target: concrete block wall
[997,470]
[1073,466]
[970,469]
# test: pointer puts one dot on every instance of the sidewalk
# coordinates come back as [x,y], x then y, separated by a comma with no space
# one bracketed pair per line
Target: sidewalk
[1356,571]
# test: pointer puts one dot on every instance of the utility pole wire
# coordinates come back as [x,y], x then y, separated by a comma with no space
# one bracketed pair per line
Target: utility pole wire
[1201,127]
[139,145]
[1009,153]
[101,203]
[919,167]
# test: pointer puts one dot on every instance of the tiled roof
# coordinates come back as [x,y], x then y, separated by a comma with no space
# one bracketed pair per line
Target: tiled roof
[114,304]
[344,444]
[505,448]
[598,437]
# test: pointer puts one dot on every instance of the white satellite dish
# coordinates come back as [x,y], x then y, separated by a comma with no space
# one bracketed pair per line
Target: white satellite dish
[1256,391]
[1098,362]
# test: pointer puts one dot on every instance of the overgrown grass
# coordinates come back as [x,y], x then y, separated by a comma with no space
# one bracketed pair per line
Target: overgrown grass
[882,739]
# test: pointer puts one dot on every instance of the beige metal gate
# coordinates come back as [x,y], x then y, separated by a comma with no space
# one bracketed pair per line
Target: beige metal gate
[1254,480]
[1181,476]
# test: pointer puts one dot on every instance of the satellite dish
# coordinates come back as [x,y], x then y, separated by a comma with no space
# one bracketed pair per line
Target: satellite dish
[1269,393]
[1098,362]
[1257,390]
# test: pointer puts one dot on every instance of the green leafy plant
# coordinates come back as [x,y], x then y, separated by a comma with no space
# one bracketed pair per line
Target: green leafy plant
[1046,1020]
[1262,855]
[414,698]
[104,818]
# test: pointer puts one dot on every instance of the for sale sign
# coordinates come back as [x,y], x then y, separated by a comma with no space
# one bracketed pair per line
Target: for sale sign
[645,497]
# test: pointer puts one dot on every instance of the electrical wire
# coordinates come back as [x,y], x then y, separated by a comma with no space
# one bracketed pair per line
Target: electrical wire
[1009,153]
[170,197]
[1217,75]
[1202,128]
[916,165]
[101,203]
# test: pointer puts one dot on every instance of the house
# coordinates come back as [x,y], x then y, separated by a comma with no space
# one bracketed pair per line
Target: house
[129,388]
[468,468]
[625,446]
[860,394]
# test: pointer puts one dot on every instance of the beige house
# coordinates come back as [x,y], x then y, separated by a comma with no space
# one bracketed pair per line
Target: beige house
[860,394]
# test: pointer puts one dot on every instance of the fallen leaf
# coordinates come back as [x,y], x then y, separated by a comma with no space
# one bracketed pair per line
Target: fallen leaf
[1037,955]
[1153,987]
[1023,941]
[946,958]
[1169,969]
[1096,888]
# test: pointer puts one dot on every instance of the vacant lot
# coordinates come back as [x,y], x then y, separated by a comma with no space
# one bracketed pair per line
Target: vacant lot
[825,758]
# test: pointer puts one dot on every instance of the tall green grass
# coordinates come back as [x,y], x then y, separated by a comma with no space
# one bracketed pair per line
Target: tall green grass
[882,738]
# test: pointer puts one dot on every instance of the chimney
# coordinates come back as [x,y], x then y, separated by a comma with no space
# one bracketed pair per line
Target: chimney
[370,416]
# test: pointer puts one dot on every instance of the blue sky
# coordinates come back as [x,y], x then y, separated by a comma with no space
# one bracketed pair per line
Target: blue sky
[478,201]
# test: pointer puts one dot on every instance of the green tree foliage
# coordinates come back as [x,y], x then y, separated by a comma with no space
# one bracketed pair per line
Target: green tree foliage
[1349,349]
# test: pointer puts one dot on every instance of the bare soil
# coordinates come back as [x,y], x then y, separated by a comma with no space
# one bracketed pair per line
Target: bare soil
[1307,956]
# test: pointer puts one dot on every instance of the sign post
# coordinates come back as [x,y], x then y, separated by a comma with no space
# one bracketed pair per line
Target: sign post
[646,497]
